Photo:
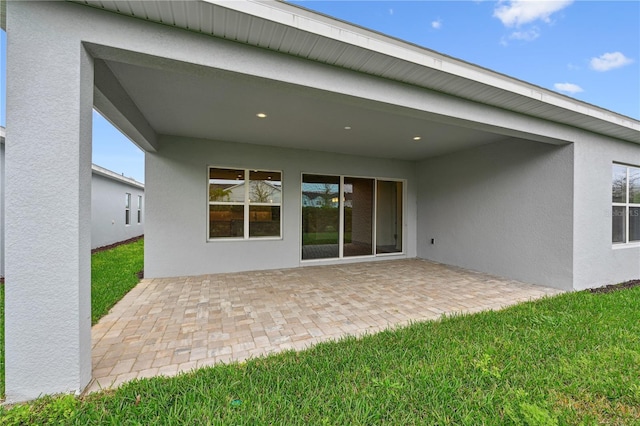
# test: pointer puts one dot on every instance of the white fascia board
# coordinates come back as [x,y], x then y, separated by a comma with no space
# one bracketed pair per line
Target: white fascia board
[324,26]
[101,171]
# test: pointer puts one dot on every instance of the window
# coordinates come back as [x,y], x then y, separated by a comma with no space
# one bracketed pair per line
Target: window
[625,197]
[127,209]
[139,208]
[244,203]
[345,216]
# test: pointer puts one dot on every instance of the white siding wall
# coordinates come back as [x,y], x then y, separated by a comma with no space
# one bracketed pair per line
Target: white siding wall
[176,193]
[108,211]
[504,208]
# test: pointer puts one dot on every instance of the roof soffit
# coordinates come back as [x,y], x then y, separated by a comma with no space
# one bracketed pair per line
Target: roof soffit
[289,29]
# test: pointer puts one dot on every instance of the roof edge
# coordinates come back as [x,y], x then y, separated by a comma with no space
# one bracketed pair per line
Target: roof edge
[304,19]
[101,171]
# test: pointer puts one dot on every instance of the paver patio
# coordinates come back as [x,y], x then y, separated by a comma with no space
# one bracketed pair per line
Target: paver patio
[171,325]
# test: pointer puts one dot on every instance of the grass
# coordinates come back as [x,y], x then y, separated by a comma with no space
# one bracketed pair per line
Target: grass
[113,274]
[571,359]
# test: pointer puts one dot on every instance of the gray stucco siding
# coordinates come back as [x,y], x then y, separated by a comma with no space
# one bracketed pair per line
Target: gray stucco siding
[2,208]
[505,208]
[176,238]
[108,211]
[597,261]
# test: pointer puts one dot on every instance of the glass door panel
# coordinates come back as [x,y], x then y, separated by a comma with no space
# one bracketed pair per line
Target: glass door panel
[389,217]
[358,217]
[320,217]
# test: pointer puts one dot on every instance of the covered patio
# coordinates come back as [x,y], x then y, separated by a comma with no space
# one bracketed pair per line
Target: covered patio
[172,325]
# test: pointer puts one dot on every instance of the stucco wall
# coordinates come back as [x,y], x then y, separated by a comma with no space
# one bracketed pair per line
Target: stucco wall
[108,211]
[2,208]
[176,195]
[504,208]
[596,261]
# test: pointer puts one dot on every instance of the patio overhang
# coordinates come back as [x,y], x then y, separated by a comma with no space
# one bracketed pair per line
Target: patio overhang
[217,102]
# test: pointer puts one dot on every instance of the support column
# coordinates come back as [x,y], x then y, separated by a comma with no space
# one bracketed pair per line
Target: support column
[48,207]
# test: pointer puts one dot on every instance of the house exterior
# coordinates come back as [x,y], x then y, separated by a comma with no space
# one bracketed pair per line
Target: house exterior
[419,155]
[117,207]
[2,138]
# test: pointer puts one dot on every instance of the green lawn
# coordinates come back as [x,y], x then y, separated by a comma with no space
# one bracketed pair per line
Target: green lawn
[113,274]
[571,359]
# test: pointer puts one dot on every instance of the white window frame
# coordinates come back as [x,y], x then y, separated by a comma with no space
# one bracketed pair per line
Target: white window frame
[127,209]
[627,205]
[246,204]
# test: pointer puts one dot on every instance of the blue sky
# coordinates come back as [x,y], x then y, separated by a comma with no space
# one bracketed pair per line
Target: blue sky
[589,50]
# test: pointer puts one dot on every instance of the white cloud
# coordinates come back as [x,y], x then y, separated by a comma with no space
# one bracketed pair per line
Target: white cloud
[528,35]
[436,24]
[518,12]
[568,87]
[609,61]
[390,11]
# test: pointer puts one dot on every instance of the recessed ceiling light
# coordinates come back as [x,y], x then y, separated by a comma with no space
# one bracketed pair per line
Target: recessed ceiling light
[347,127]
[261,115]
[416,138]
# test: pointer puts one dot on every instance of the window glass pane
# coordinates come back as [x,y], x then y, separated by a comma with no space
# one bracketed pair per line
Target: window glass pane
[320,216]
[619,184]
[634,223]
[389,217]
[265,187]
[619,224]
[226,221]
[127,200]
[226,185]
[264,221]
[358,216]
[634,185]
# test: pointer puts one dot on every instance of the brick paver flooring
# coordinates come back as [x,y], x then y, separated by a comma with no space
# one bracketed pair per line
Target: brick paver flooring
[171,325]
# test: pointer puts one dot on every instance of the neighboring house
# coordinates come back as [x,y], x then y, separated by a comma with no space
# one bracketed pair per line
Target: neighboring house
[117,207]
[443,160]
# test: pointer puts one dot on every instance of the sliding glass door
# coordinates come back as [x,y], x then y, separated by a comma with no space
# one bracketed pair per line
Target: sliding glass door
[358,216]
[345,216]
[320,217]
[389,217]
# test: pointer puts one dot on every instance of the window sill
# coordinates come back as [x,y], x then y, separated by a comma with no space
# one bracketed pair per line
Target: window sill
[253,239]
[635,244]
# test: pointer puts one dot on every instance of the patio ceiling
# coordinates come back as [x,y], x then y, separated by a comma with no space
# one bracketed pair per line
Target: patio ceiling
[214,104]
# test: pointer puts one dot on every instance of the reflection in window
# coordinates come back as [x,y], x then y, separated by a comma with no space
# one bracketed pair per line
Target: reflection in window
[389,217]
[358,216]
[238,210]
[625,211]
[127,208]
[342,217]
[320,216]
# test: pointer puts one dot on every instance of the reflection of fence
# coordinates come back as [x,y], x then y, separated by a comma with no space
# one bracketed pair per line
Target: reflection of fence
[229,222]
[226,228]
[315,220]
